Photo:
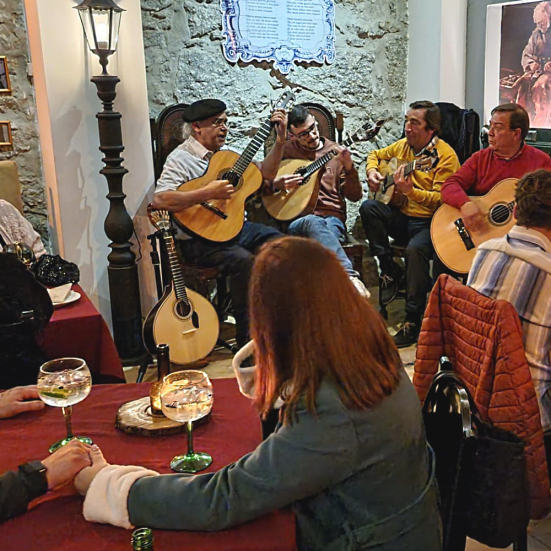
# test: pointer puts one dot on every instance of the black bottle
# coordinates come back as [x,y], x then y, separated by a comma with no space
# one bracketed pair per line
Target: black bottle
[142,539]
[163,361]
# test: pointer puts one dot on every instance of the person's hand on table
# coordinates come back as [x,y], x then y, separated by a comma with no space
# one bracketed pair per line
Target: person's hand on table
[87,475]
[18,400]
[63,465]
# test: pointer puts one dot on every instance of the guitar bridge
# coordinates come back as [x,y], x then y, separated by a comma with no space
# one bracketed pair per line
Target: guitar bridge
[215,210]
[464,234]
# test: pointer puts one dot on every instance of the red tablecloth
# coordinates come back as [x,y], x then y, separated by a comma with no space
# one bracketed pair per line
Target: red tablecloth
[55,522]
[78,330]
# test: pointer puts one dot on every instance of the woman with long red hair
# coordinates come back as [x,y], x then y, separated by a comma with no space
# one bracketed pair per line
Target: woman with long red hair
[349,454]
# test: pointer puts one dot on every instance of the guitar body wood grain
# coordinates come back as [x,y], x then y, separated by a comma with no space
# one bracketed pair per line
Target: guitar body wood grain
[187,343]
[447,242]
[391,195]
[288,205]
[207,224]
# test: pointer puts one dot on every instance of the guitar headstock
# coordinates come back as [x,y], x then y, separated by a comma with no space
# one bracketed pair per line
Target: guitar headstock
[428,157]
[366,132]
[285,101]
[159,218]
[427,162]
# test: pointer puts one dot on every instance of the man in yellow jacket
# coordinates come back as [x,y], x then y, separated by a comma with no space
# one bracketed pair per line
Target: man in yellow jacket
[407,218]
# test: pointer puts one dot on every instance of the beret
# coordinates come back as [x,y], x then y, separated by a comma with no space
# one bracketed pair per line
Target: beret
[203,109]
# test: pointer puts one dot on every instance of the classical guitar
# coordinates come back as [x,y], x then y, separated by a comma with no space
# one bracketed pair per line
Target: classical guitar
[182,318]
[454,244]
[221,220]
[287,205]
[388,193]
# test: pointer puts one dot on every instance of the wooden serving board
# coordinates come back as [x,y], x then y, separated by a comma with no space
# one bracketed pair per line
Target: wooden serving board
[135,418]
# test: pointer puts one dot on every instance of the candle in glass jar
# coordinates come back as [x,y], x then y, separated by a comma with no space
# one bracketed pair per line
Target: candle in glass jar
[155,398]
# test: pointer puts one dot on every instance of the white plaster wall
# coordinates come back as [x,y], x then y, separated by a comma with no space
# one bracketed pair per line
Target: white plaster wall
[437,50]
[424,50]
[67,105]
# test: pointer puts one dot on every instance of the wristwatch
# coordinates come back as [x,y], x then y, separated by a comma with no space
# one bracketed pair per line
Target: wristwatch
[33,475]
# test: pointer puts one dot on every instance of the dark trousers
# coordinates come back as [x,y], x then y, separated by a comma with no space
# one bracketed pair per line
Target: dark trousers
[235,260]
[382,221]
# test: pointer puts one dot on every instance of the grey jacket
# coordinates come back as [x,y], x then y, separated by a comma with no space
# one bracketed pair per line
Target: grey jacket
[355,479]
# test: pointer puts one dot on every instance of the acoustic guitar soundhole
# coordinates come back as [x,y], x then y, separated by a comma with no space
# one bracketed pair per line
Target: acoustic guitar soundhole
[232,177]
[183,308]
[303,171]
[500,214]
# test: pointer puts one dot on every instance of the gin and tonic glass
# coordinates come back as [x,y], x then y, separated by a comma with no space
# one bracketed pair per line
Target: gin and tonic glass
[186,396]
[63,383]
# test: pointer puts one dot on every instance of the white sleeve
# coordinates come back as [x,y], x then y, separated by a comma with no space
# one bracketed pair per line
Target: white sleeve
[175,172]
[107,497]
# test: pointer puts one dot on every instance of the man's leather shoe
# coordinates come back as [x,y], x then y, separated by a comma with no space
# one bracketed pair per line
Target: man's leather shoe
[407,334]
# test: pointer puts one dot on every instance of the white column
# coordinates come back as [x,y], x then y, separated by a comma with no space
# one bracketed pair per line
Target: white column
[67,104]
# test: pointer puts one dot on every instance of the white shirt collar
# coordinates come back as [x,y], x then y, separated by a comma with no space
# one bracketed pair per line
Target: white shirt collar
[532,236]
[197,148]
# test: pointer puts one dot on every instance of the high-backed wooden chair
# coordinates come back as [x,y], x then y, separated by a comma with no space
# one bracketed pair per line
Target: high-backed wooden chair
[166,135]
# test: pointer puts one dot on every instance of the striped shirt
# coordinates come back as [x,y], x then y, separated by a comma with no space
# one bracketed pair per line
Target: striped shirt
[517,268]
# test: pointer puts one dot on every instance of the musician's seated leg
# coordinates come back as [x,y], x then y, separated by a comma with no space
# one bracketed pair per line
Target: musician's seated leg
[330,231]
[418,255]
[379,222]
[254,235]
[234,261]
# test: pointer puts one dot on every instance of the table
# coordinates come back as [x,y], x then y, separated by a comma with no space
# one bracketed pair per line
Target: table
[78,330]
[55,522]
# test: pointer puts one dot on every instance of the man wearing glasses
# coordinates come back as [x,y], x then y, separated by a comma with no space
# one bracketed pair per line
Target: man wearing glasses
[204,132]
[338,180]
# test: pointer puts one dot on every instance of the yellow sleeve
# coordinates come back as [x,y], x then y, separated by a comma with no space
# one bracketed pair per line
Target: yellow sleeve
[427,186]
[385,154]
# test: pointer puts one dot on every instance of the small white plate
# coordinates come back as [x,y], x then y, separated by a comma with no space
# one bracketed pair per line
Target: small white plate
[73,296]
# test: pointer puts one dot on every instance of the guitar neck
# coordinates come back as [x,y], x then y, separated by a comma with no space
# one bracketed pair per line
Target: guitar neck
[177,276]
[324,159]
[250,151]
[389,180]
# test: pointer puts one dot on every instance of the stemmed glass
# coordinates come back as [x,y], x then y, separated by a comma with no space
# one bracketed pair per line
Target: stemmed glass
[185,397]
[63,383]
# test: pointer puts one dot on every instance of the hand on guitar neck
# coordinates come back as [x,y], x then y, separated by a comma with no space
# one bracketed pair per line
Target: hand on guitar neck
[473,217]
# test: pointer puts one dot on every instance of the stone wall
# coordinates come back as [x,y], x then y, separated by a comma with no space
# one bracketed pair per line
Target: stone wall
[19,108]
[183,51]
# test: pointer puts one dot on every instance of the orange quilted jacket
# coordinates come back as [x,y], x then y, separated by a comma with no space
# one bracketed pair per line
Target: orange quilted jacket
[483,339]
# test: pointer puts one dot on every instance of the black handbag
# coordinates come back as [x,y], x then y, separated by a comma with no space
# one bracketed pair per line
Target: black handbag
[480,469]
[53,271]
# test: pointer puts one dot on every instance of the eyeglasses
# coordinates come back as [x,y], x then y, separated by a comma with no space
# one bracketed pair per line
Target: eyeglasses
[308,131]
[220,121]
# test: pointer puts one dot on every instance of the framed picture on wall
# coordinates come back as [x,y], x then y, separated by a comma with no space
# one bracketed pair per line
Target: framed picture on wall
[5,133]
[5,85]
[518,58]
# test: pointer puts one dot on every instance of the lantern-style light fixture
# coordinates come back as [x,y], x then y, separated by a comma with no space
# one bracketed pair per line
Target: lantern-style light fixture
[101,21]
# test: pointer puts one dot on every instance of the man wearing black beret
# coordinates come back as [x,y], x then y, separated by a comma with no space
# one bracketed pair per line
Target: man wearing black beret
[204,133]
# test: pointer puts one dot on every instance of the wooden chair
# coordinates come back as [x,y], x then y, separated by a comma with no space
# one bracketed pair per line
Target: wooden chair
[166,135]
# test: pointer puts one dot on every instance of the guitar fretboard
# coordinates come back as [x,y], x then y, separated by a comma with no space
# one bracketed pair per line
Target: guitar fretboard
[389,180]
[318,163]
[250,151]
[177,276]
